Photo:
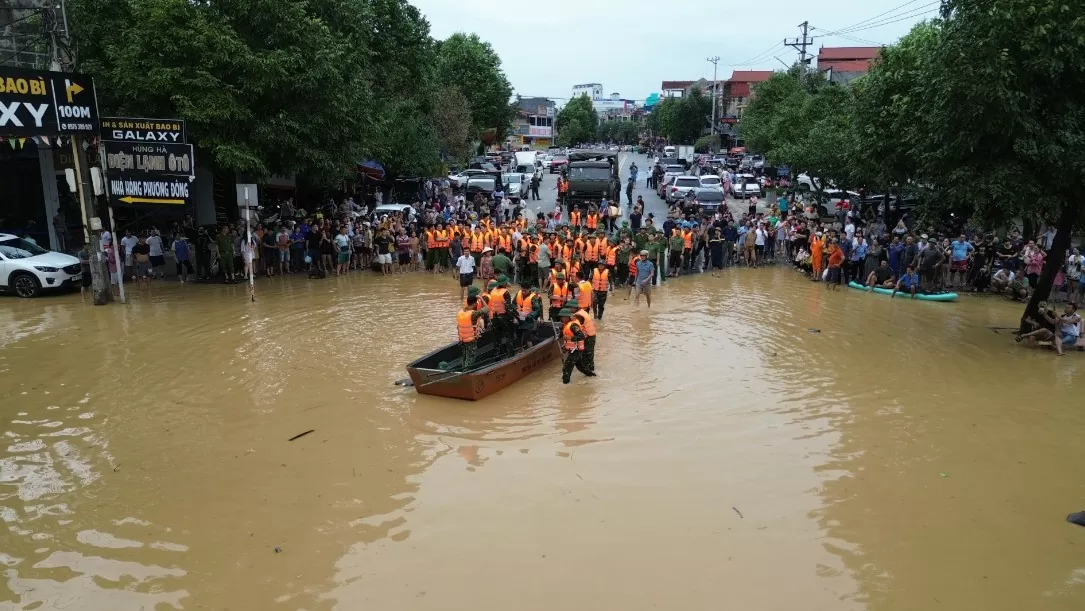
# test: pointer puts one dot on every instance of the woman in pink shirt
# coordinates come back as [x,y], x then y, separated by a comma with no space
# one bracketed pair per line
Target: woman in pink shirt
[1034,263]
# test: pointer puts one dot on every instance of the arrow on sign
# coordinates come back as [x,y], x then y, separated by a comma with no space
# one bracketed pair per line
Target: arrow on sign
[143,200]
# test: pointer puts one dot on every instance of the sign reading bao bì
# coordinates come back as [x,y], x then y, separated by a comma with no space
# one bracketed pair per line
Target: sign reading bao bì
[151,173]
[39,103]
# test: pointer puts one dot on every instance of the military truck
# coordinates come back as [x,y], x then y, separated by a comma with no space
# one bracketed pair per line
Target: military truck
[592,176]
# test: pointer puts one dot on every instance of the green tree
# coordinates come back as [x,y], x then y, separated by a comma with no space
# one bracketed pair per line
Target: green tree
[1002,108]
[452,122]
[265,86]
[806,124]
[684,119]
[577,122]
[470,63]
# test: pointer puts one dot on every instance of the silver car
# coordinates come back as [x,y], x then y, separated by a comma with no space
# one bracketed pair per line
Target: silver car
[681,186]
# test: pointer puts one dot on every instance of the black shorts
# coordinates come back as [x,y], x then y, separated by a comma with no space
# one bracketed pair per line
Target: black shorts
[158,260]
[466,280]
[404,258]
[676,258]
[86,280]
[834,275]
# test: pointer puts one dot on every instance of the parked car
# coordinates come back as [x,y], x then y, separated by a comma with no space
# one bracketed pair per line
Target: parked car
[710,199]
[515,186]
[681,185]
[746,185]
[545,160]
[711,181]
[479,184]
[758,162]
[27,269]
[558,163]
[669,172]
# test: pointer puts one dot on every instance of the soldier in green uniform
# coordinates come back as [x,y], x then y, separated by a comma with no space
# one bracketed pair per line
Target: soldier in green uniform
[624,231]
[503,313]
[572,343]
[529,311]
[625,250]
[655,252]
[640,241]
[467,330]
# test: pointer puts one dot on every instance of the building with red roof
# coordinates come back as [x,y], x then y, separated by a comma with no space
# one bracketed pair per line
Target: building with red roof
[843,64]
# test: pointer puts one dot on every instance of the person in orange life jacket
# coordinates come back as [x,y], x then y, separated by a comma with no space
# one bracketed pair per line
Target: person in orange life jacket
[529,311]
[503,313]
[575,217]
[560,293]
[572,343]
[588,326]
[476,240]
[468,331]
[583,292]
[601,287]
[591,220]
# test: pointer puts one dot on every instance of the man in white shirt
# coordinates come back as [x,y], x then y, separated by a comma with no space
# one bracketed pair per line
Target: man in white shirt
[849,229]
[158,255]
[466,265]
[127,242]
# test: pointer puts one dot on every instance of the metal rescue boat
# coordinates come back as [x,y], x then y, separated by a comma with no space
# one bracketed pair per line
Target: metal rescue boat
[438,373]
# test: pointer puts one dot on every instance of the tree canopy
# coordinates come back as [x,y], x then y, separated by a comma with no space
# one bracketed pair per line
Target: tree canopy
[577,122]
[981,106]
[282,86]
[682,120]
[618,132]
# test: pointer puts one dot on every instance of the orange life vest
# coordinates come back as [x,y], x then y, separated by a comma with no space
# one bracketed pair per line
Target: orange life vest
[533,257]
[497,301]
[633,266]
[565,252]
[593,221]
[591,251]
[567,334]
[523,301]
[600,281]
[560,295]
[465,326]
[687,237]
[477,242]
[612,255]
[583,298]
[574,218]
[579,245]
[586,323]
[574,270]
[431,239]
[562,186]
[504,242]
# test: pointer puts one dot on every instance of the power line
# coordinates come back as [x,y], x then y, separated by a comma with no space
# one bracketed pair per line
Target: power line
[766,54]
[16,54]
[892,10]
[879,24]
[34,13]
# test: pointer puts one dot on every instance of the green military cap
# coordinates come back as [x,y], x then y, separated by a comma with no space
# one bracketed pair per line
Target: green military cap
[502,280]
[566,312]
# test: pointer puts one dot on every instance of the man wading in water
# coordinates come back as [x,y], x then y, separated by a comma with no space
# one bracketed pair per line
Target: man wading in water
[572,343]
[646,270]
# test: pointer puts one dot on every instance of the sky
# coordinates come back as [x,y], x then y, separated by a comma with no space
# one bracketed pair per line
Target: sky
[632,46]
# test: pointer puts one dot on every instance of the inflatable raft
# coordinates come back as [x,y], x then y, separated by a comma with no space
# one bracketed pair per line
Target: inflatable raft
[920,296]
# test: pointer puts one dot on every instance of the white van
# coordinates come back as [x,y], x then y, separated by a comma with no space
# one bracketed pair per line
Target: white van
[669,151]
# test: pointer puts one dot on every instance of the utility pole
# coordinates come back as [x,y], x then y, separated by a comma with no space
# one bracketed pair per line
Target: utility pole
[60,42]
[800,44]
[715,65]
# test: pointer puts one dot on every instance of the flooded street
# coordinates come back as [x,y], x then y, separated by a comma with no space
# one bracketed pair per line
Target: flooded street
[752,442]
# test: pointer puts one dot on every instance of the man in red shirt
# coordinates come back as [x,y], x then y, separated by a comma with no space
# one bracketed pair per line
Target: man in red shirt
[836,259]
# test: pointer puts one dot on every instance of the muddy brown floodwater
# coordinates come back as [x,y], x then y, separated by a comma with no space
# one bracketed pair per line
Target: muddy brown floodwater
[905,457]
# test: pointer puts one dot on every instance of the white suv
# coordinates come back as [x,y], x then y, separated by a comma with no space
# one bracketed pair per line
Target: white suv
[27,269]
